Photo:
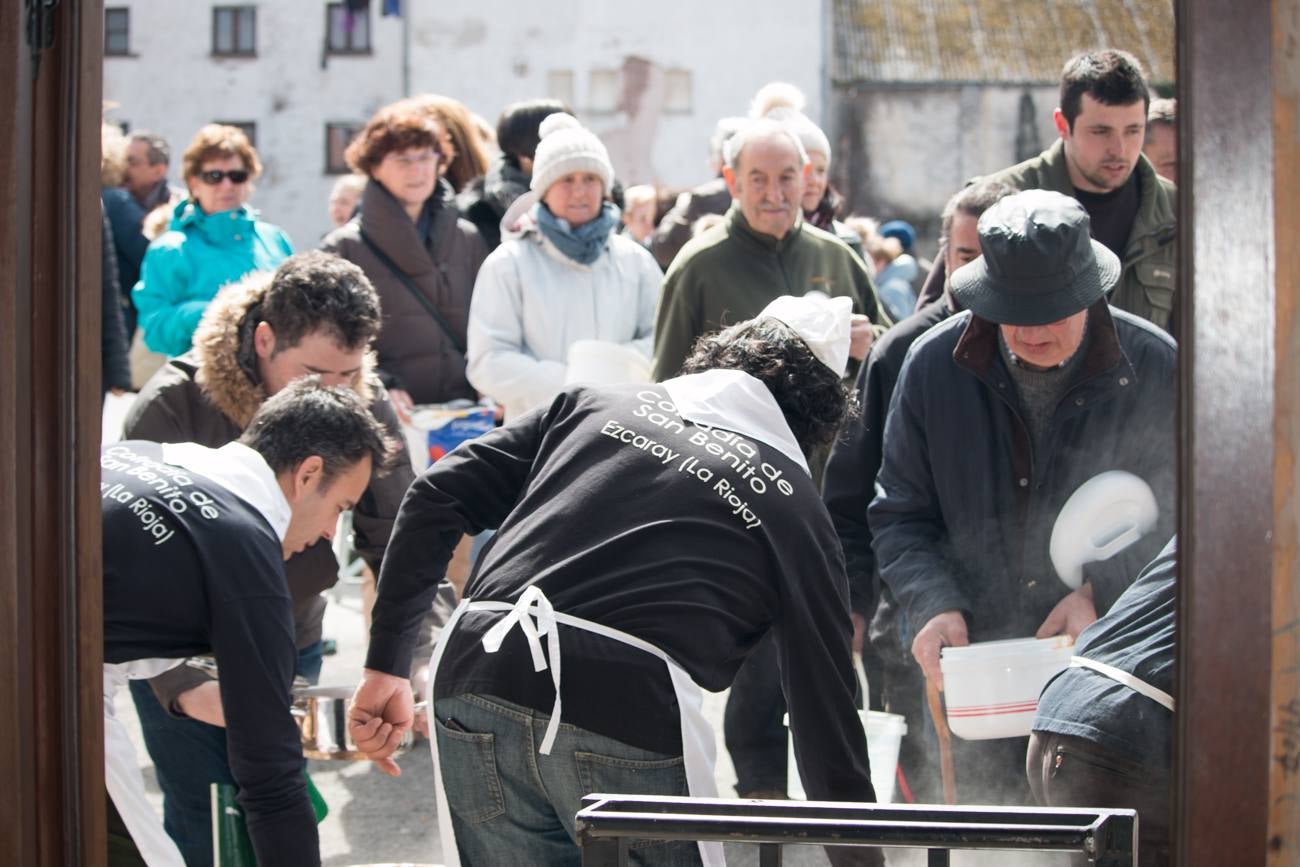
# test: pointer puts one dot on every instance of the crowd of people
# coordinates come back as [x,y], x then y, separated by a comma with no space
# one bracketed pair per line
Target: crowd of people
[808,442]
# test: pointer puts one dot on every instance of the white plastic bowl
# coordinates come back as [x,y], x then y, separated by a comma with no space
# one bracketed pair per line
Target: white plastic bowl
[600,362]
[991,688]
[884,737]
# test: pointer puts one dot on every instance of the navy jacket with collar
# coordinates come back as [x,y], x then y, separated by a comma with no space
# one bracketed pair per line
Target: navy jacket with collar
[964,509]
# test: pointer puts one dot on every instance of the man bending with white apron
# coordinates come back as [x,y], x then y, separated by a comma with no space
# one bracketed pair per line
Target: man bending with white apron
[194,547]
[649,536]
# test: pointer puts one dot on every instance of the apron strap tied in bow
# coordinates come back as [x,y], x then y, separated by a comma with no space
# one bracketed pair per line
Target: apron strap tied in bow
[534,604]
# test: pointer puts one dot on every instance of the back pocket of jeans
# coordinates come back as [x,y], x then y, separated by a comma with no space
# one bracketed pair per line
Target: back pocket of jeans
[468,764]
[614,775]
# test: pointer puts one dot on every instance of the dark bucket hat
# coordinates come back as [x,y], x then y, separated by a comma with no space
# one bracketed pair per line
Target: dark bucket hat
[1039,264]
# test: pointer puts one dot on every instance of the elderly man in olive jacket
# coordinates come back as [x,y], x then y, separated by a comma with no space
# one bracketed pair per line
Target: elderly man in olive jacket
[762,250]
[316,315]
[1000,414]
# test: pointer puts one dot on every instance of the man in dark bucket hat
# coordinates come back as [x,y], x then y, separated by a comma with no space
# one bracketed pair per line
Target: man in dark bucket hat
[1039,265]
[1000,414]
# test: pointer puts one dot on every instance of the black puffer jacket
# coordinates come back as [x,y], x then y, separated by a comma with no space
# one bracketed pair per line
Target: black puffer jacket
[964,509]
[485,200]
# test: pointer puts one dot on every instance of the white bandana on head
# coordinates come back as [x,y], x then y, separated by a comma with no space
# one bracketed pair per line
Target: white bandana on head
[821,322]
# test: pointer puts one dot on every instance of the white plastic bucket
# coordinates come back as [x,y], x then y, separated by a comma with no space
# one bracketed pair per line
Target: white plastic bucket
[991,688]
[600,362]
[884,736]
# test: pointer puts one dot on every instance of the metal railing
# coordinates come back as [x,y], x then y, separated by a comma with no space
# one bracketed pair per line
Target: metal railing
[607,824]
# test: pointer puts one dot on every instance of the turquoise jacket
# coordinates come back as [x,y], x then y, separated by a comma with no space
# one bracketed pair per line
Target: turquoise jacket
[185,266]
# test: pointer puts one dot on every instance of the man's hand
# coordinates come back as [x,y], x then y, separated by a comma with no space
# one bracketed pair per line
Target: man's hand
[203,703]
[1070,616]
[860,336]
[381,714]
[947,629]
[402,404]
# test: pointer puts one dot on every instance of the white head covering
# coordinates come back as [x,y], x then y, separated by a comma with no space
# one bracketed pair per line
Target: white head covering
[567,146]
[809,133]
[821,322]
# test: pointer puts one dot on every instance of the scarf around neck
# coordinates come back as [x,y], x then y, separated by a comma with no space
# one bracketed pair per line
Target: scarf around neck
[583,244]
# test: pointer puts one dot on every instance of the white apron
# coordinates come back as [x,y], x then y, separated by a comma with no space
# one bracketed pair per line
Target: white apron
[534,615]
[122,771]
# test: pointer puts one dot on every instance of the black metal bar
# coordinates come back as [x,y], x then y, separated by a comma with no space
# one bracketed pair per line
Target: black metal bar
[1107,836]
[937,858]
[603,851]
[769,855]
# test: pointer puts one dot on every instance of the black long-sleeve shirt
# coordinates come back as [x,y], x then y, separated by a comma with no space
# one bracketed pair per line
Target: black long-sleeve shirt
[192,567]
[696,541]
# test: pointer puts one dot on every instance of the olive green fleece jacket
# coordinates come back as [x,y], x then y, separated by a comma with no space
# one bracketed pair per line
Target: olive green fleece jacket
[730,273]
[1146,285]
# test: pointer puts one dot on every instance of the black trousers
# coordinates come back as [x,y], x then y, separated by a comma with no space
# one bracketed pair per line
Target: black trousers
[1066,771]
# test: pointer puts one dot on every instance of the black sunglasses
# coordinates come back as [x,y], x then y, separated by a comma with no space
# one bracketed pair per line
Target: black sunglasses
[213,177]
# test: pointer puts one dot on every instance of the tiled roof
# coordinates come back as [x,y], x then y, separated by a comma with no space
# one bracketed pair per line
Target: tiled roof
[995,41]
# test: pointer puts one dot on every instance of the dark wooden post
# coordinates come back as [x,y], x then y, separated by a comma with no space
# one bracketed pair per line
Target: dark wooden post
[51,769]
[1229,406]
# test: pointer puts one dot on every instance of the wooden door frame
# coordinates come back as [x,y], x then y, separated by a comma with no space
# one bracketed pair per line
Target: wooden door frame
[51,734]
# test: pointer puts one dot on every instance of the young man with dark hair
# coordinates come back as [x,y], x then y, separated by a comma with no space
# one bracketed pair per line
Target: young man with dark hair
[195,541]
[316,315]
[701,532]
[1098,160]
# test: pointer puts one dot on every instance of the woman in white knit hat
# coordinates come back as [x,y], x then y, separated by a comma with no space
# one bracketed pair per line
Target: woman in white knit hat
[562,274]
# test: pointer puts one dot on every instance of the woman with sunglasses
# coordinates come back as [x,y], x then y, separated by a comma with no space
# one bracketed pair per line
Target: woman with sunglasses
[214,239]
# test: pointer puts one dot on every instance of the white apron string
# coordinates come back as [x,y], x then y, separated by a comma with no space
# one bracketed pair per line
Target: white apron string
[1134,683]
[698,739]
[533,603]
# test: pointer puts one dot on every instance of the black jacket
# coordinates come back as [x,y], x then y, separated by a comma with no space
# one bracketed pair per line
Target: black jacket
[964,509]
[191,567]
[850,479]
[485,200]
[721,553]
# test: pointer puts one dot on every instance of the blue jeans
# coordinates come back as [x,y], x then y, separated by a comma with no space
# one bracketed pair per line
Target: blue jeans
[188,756]
[511,805]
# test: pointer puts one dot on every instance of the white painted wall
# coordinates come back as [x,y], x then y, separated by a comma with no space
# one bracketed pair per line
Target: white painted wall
[487,54]
[923,144]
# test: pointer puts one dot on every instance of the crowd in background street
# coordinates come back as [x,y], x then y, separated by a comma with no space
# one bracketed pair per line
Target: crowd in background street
[507,265]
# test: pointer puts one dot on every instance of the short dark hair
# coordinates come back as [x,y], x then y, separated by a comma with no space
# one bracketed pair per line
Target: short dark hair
[1112,77]
[973,201]
[317,291]
[517,127]
[814,400]
[159,150]
[397,127]
[306,418]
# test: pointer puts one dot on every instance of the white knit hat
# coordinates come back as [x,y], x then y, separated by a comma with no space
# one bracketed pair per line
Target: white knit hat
[565,147]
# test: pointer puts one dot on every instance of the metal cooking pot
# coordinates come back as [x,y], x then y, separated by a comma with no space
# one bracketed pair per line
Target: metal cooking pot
[322,716]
